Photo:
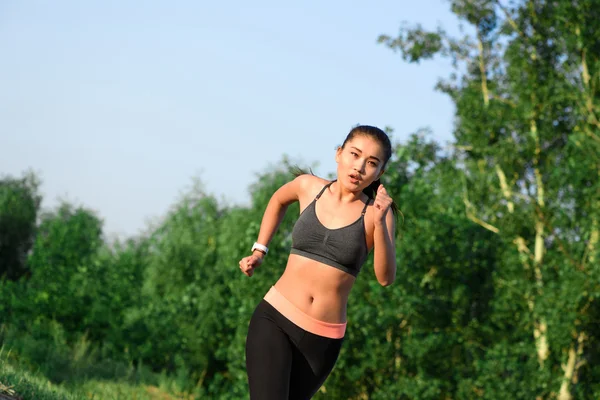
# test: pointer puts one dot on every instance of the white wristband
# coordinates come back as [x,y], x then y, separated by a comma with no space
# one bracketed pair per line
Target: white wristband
[258,246]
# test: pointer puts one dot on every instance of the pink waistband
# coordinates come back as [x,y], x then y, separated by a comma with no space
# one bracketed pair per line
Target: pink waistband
[303,320]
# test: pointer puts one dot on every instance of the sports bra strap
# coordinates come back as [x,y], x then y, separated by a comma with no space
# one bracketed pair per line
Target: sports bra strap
[366,205]
[323,190]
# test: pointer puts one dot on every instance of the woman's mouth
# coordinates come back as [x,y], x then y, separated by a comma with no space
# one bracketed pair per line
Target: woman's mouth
[354,179]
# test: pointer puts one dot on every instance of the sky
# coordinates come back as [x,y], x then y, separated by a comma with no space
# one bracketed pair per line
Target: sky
[118,105]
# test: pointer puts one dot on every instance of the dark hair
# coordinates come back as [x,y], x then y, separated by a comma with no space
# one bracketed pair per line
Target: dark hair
[383,139]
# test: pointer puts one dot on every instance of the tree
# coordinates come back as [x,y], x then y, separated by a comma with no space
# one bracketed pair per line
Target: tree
[64,255]
[528,138]
[19,206]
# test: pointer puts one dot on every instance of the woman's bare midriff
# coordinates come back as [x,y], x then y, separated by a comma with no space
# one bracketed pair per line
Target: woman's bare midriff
[317,289]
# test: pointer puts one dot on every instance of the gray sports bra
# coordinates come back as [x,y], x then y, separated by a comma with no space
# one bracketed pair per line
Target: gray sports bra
[343,248]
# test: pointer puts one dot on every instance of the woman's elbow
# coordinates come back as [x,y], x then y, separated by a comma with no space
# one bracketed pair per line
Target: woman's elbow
[387,280]
[385,273]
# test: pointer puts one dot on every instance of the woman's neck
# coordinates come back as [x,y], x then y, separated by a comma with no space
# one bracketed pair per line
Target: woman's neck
[344,195]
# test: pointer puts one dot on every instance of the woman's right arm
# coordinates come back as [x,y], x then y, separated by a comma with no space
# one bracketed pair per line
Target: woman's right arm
[278,205]
[273,215]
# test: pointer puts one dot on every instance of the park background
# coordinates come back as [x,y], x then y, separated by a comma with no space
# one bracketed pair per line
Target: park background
[140,143]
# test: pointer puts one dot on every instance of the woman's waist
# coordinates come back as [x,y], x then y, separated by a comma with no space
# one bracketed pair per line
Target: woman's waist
[316,290]
[315,324]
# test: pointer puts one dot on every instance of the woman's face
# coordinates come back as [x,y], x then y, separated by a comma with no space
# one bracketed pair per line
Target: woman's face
[360,162]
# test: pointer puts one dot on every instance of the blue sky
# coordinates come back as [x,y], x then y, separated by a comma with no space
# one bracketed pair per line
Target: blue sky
[117,105]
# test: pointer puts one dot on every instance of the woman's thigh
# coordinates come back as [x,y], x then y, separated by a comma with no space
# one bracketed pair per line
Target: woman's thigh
[313,360]
[268,357]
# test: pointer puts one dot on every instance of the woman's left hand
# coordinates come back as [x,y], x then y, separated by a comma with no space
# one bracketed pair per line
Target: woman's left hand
[382,204]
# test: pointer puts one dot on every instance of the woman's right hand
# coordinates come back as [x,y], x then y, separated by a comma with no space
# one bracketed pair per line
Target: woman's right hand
[248,264]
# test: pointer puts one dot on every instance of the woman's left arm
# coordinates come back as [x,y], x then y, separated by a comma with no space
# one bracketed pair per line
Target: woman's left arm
[384,239]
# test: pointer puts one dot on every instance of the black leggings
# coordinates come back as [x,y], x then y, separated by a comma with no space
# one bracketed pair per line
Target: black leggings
[284,361]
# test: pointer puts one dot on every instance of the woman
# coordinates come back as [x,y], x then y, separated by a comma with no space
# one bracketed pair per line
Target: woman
[296,331]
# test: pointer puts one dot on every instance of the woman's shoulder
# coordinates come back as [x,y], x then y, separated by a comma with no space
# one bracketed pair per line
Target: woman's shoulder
[310,185]
[310,179]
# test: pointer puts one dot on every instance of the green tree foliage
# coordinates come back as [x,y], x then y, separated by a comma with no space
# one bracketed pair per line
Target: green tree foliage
[62,262]
[527,136]
[19,205]
[177,326]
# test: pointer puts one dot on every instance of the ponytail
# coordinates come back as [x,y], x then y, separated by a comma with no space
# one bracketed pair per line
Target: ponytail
[296,171]
[371,191]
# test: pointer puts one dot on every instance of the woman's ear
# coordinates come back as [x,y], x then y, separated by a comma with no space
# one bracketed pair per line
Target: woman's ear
[338,154]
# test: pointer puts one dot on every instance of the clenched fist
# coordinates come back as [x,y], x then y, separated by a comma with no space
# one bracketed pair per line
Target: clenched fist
[382,204]
[248,264]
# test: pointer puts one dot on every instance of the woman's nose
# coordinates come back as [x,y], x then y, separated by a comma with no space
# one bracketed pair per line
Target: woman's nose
[360,167]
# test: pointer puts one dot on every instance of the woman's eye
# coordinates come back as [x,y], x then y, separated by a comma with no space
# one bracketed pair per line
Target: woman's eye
[354,154]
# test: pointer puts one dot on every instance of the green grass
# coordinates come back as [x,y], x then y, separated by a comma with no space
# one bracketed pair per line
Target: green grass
[17,381]
[114,390]
[26,385]
[39,364]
